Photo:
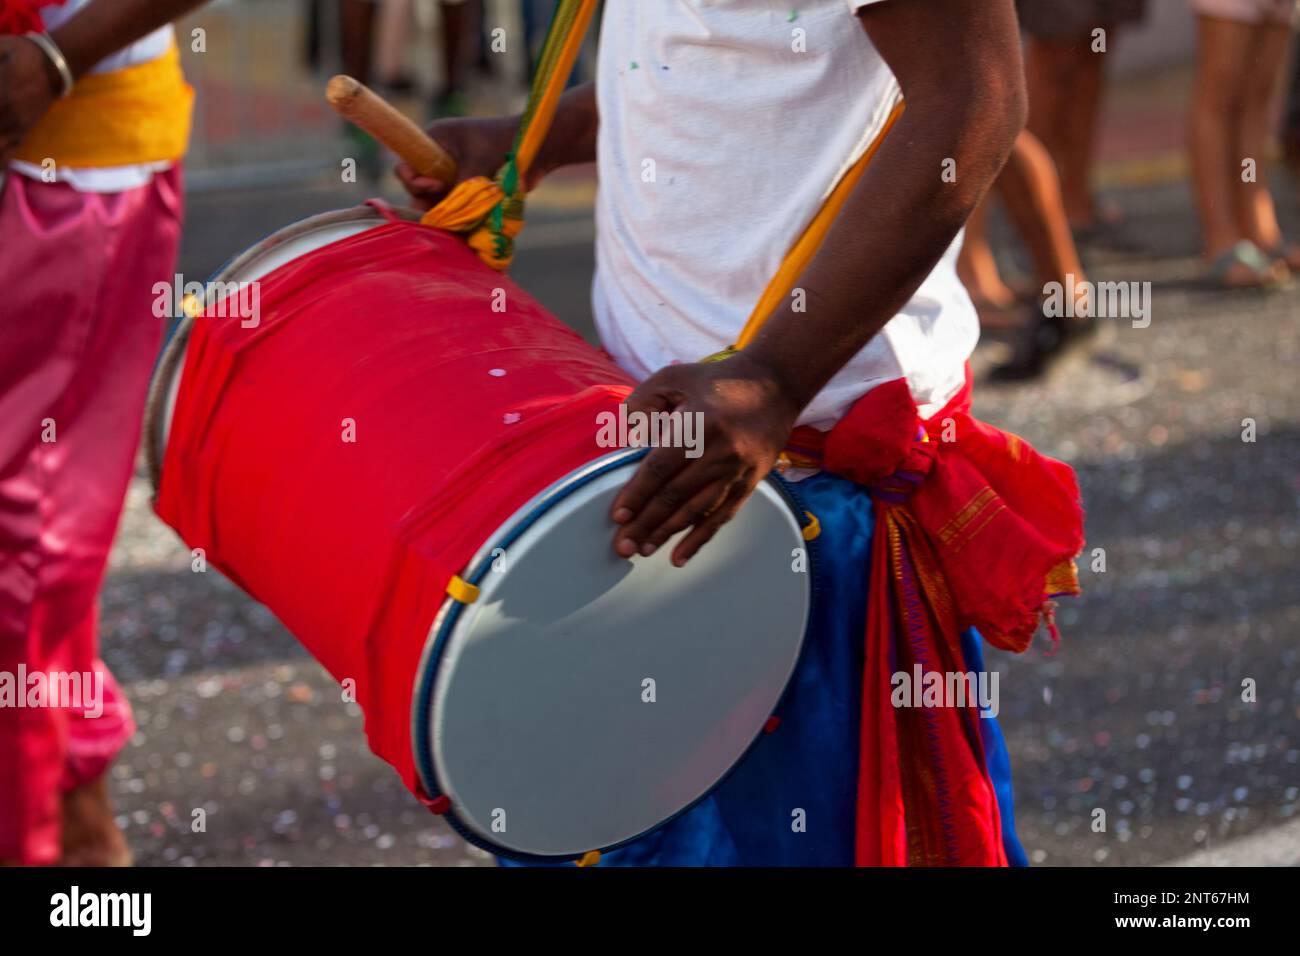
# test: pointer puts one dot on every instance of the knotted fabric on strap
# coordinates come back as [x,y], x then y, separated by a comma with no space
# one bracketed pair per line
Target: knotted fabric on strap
[491,211]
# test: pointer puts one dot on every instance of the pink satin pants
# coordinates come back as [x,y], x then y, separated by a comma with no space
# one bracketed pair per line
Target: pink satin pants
[78,337]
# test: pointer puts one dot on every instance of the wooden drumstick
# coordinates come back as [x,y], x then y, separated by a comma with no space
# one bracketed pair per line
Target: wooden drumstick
[359,105]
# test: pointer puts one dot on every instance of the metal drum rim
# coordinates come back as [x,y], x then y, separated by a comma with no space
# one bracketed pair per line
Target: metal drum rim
[156,431]
[444,624]
[169,367]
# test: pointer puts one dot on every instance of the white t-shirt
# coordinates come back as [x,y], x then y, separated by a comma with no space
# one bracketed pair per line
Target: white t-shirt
[718,143]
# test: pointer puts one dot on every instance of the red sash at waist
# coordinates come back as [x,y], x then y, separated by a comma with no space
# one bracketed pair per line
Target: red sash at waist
[1005,521]
[974,528]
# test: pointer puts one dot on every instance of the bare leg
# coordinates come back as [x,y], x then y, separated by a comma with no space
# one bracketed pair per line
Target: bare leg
[1081,134]
[1029,187]
[458,38]
[1065,94]
[1256,214]
[356,25]
[1047,75]
[1291,132]
[976,266]
[1218,99]
[394,20]
[90,835]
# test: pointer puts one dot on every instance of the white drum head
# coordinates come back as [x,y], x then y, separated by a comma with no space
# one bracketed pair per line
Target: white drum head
[584,699]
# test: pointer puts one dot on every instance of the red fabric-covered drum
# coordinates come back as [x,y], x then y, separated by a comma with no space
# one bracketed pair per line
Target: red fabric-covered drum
[400,458]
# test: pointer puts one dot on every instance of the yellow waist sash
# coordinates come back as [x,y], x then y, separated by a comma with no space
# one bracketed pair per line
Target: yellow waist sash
[139,114]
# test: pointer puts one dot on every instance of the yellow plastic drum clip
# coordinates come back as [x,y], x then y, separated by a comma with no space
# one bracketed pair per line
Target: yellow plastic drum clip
[461,590]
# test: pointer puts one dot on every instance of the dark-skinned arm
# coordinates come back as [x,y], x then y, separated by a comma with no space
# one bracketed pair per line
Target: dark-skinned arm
[103,27]
[958,64]
[29,81]
[479,145]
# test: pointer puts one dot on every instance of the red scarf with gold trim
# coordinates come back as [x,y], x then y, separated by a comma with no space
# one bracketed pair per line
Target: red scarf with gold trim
[974,528]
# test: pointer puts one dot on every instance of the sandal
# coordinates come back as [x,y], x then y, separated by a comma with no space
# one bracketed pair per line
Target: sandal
[1287,254]
[1244,266]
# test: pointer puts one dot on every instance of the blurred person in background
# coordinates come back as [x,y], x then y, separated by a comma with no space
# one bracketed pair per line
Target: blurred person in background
[391,47]
[461,33]
[1291,120]
[94,120]
[1065,73]
[535,16]
[1031,193]
[1243,46]
[458,37]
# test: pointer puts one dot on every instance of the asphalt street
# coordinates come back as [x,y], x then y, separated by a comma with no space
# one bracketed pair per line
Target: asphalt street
[1140,712]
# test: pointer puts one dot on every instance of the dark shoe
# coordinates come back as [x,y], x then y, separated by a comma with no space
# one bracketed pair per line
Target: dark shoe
[1042,345]
[1106,236]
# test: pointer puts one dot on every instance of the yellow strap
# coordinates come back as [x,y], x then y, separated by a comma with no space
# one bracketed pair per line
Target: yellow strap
[139,114]
[813,529]
[590,858]
[461,590]
[544,111]
[468,208]
[797,259]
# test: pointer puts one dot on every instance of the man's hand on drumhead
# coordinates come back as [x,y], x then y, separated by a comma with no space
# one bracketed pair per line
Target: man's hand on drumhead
[479,146]
[746,419]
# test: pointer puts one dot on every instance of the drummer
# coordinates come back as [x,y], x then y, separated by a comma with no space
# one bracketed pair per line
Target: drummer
[94,118]
[718,130]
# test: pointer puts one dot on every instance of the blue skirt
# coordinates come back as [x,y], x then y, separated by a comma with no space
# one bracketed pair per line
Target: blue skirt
[807,769]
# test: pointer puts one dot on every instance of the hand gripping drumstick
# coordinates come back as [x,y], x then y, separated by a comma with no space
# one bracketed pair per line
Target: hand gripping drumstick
[360,106]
